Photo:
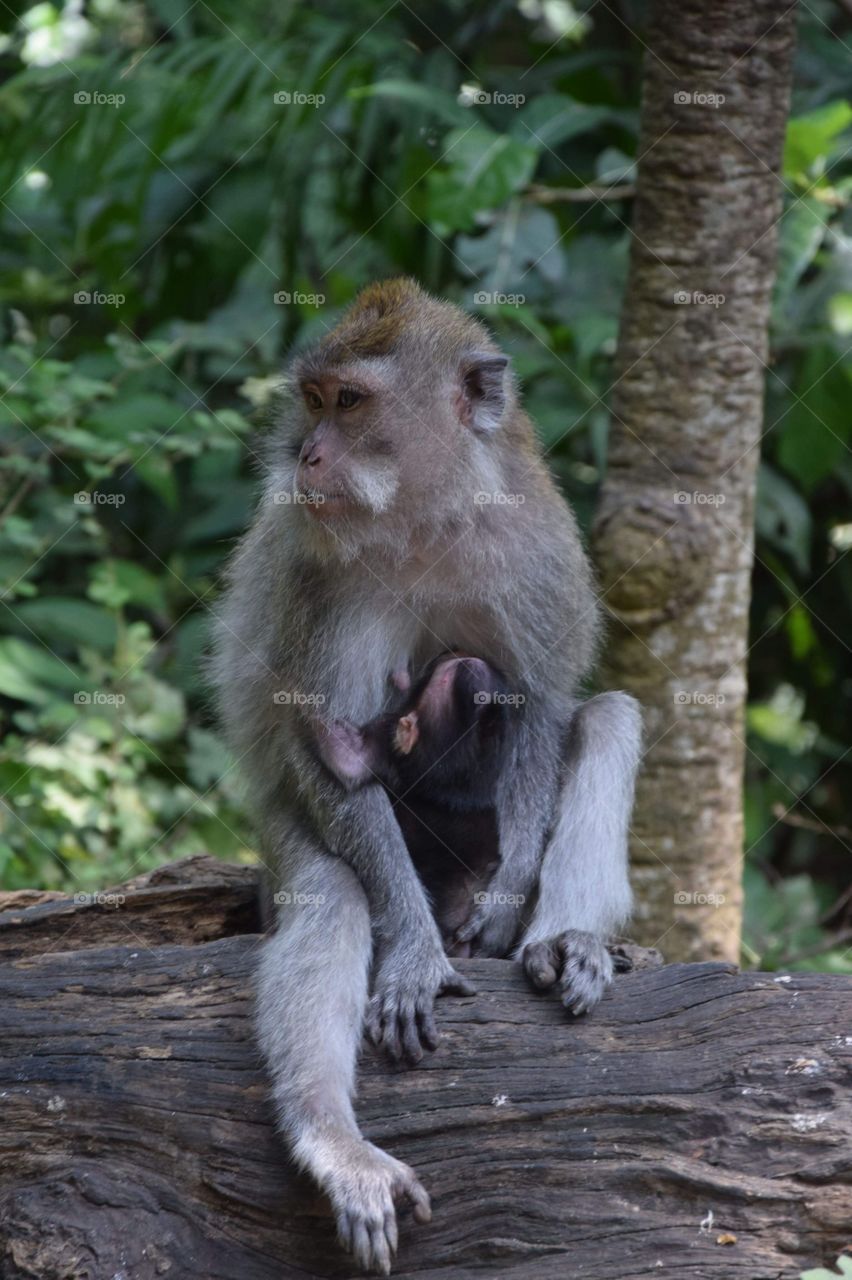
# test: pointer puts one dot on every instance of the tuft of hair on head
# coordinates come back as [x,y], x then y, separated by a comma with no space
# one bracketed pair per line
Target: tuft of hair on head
[372,325]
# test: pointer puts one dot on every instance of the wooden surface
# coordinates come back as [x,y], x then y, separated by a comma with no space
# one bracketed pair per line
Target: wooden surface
[136,1143]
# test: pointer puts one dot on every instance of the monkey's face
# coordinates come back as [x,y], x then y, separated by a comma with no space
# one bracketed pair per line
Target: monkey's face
[381,439]
[348,461]
[400,421]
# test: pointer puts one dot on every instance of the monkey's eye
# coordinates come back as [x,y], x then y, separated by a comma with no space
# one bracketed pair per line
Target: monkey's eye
[313,400]
[348,398]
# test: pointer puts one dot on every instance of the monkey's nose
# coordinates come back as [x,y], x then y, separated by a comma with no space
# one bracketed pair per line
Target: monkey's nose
[311,455]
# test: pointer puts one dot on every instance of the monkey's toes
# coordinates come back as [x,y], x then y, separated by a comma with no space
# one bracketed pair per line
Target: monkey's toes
[540,965]
[586,970]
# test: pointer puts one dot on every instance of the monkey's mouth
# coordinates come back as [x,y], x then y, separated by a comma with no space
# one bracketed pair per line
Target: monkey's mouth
[321,503]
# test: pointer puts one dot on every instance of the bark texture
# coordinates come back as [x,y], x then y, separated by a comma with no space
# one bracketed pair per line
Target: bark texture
[673,537]
[697,1124]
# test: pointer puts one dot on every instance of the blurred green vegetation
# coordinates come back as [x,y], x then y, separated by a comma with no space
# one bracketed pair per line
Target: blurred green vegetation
[187,194]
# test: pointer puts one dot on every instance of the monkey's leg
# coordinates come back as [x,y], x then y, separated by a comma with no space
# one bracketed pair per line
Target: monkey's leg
[584,891]
[312,993]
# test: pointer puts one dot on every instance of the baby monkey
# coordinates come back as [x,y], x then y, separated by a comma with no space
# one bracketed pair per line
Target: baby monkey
[438,756]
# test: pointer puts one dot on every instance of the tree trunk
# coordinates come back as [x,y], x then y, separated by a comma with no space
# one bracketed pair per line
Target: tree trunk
[673,537]
[699,1122]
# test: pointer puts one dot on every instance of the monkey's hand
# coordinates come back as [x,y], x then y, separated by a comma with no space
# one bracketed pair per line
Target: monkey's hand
[364,1187]
[579,961]
[493,924]
[408,979]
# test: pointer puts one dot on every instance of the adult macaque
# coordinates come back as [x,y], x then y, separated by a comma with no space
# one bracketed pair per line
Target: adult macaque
[439,756]
[407,512]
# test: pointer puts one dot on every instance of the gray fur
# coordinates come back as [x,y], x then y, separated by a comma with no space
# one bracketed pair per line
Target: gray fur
[328,611]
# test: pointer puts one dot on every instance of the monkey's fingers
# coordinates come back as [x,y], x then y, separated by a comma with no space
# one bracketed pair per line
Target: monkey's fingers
[410,1033]
[381,1250]
[418,1197]
[469,931]
[391,1230]
[373,1021]
[361,1246]
[391,1039]
[455,985]
[541,965]
[428,1031]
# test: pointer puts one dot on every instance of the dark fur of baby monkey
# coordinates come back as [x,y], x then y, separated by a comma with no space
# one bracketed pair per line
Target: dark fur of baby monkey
[438,755]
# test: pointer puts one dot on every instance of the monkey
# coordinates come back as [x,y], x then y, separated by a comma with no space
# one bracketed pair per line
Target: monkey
[407,510]
[438,755]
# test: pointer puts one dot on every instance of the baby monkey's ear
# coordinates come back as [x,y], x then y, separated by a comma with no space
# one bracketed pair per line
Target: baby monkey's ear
[406,734]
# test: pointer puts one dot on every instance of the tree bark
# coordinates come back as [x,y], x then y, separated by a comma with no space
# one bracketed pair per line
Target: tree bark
[698,1123]
[673,537]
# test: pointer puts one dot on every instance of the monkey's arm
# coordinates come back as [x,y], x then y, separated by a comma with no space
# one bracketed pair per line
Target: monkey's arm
[410,966]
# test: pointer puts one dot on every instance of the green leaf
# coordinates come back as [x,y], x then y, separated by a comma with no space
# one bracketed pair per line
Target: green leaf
[484,170]
[779,721]
[782,516]
[141,416]
[840,313]
[801,632]
[163,715]
[156,473]
[552,118]
[61,621]
[815,431]
[207,759]
[427,97]
[519,240]
[802,231]
[811,137]
[32,674]
[116,583]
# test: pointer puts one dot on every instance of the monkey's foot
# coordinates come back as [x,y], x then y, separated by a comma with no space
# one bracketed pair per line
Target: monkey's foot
[364,1191]
[579,961]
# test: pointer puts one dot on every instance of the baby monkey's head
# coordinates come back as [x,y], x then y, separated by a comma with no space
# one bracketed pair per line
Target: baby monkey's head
[444,744]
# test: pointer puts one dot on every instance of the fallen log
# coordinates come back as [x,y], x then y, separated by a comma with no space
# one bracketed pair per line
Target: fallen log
[697,1124]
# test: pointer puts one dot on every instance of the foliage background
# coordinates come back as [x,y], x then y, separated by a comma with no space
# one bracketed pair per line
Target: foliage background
[186,207]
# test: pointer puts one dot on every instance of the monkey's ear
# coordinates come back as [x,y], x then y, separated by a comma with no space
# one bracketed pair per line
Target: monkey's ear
[483,392]
[406,734]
